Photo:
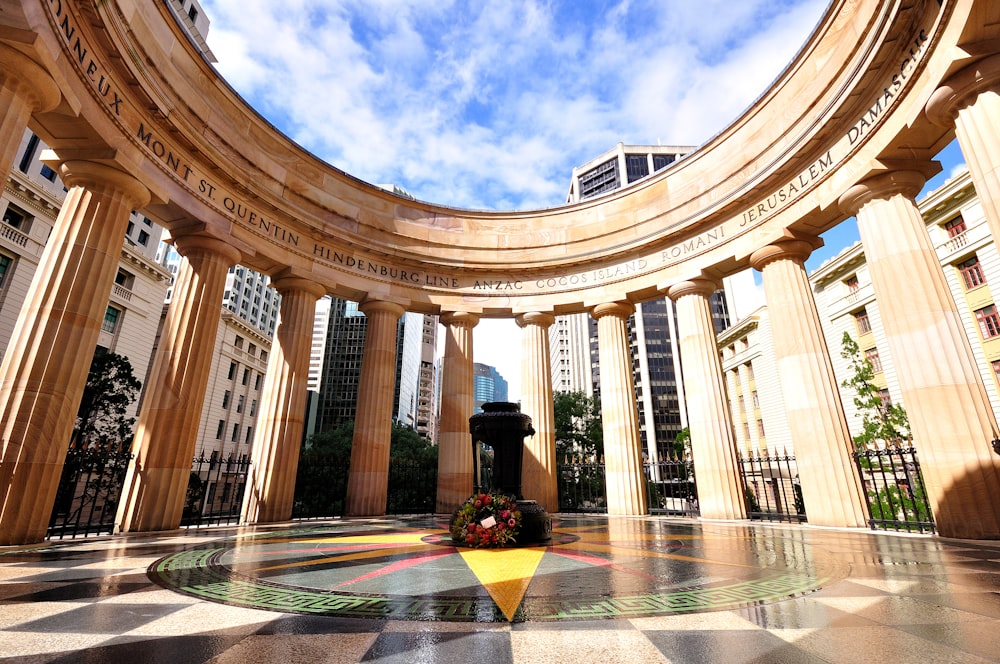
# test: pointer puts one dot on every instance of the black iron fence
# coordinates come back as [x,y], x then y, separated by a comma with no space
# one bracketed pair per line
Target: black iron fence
[412,486]
[772,489]
[671,487]
[321,486]
[581,485]
[88,493]
[215,490]
[894,488]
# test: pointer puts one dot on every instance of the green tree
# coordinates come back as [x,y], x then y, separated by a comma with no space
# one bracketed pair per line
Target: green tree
[879,423]
[682,443]
[578,424]
[111,388]
[334,442]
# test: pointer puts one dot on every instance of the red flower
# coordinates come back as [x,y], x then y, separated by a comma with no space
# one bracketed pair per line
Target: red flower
[504,514]
[511,523]
[488,500]
[478,504]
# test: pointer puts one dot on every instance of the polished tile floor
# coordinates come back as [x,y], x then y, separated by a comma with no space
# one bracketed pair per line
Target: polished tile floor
[604,590]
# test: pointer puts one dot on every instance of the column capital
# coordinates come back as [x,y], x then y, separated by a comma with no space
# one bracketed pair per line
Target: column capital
[539,318]
[96,176]
[617,309]
[372,305]
[193,244]
[286,284]
[696,286]
[961,89]
[459,319]
[884,185]
[37,86]
[793,250]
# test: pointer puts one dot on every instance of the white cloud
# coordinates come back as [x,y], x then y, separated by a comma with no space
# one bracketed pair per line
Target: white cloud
[491,105]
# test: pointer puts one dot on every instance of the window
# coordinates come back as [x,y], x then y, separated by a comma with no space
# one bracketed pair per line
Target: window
[852,283]
[861,319]
[662,161]
[239,405]
[225,399]
[263,356]
[989,322]
[756,401]
[246,376]
[636,166]
[5,264]
[883,396]
[249,435]
[236,432]
[111,317]
[749,371]
[222,427]
[955,227]
[996,369]
[239,342]
[252,349]
[192,13]
[48,173]
[29,154]
[872,356]
[253,408]
[232,370]
[256,384]
[760,428]
[15,218]
[972,273]
[125,279]
[143,238]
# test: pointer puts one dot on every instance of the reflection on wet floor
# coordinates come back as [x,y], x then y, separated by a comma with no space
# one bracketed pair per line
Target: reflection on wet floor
[617,589]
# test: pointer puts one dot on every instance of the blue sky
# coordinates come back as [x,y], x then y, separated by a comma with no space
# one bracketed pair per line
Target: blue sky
[490,105]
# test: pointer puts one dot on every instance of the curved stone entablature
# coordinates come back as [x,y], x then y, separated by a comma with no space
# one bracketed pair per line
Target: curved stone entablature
[138,94]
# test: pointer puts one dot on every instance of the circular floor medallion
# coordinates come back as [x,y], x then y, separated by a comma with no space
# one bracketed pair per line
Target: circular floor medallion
[409,570]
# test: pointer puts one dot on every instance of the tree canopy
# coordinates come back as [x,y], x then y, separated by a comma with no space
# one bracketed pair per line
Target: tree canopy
[405,443]
[578,424]
[111,388]
[880,422]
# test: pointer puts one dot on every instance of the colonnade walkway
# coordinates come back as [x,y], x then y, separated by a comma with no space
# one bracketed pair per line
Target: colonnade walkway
[607,589]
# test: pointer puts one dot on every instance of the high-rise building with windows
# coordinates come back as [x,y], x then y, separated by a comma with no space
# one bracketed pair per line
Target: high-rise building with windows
[487,385]
[427,412]
[656,361]
[342,360]
[620,167]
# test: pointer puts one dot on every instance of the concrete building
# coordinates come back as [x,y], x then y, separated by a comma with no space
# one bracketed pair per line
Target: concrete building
[957,227]
[620,167]
[30,203]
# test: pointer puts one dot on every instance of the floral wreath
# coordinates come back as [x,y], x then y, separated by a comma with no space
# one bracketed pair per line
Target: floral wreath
[486,520]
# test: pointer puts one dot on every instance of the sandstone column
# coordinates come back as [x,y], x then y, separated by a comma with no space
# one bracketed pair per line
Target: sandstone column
[25,88]
[626,480]
[368,482]
[45,367]
[167,431]
[270,489]
[454,439]
[538,469]
[831,488]
[950,417]
[720,488]
[970,101]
